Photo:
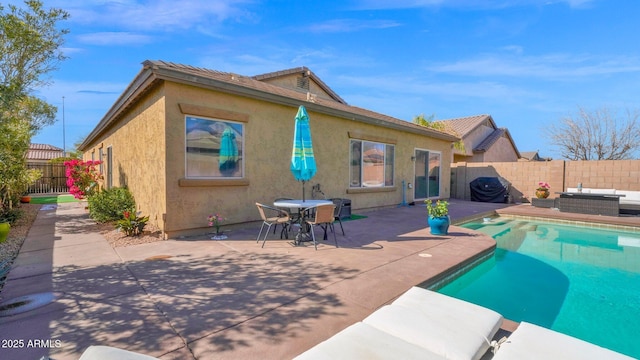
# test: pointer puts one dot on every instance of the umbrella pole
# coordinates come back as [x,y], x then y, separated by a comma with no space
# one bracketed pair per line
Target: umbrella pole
[303,190]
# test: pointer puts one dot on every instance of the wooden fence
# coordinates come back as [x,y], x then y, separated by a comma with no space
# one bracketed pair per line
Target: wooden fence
[53,180]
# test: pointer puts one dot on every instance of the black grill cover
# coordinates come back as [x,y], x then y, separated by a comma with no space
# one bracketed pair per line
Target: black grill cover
[489,189]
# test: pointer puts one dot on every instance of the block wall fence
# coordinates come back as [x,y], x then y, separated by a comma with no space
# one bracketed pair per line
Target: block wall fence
[560,174]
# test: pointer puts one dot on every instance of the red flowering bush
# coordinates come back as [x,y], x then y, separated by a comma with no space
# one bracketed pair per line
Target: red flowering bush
[132,225]
[82,177]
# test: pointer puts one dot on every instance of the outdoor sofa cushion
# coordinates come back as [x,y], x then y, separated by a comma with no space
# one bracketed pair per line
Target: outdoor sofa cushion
[476,318]
[630,197]
[452,328]
[529,342]
[361,341]
[111,353]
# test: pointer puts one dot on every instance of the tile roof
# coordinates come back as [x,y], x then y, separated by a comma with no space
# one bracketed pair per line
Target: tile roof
[43,152]
[489,140]
[465,125]
[155,71]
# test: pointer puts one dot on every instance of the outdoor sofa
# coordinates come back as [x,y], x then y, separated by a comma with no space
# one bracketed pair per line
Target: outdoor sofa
[422,324]
[629,203]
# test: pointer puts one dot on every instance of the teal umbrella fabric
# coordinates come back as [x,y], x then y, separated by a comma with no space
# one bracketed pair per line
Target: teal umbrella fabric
[303,162]
[228,152]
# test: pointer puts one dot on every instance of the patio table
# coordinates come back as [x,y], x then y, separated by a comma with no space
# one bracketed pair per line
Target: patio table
[299,206]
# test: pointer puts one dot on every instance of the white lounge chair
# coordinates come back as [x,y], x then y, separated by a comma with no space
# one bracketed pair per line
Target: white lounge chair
[420,324]
[363,342]
[451,328]
[529,342]
[111,353]
[423,324]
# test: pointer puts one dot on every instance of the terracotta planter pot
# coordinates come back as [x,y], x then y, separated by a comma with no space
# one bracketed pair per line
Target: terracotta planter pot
[25,199]
[542,194]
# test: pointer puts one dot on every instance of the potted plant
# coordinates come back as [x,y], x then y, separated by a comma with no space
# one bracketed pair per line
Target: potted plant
[438,218]
[216,220]
[542,192]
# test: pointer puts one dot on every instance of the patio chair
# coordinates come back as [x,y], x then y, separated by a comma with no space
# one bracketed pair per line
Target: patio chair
[324,217]
[275,216]
[284,209]
[338,203]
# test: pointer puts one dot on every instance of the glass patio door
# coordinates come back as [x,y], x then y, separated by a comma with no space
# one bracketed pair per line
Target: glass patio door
[427,174]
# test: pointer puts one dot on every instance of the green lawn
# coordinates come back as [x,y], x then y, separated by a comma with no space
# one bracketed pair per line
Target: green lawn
[53,199]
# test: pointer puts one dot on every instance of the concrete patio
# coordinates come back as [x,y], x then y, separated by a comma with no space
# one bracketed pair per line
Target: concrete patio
[196,298]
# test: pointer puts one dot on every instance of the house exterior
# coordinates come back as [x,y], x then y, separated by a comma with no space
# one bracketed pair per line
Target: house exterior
[163,139]
[42,153]
[53,179]
[483,140]
[532,156]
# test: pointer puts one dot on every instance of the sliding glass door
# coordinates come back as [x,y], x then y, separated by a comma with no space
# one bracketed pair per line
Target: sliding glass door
[427,174]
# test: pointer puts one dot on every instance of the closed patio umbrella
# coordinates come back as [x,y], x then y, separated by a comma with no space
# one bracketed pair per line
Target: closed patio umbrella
[303,163]
[228,152]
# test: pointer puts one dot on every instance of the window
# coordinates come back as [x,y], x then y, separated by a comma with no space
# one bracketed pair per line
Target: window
[101,166]
[214,148]
[109,167]
[371,164]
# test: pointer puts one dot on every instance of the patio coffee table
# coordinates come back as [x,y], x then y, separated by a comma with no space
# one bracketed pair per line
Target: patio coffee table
[590,203]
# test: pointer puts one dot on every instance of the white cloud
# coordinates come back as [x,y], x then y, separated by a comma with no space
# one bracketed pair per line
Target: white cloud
[350,25]
[165,15]
[461,4]
[553,66]
[114,38]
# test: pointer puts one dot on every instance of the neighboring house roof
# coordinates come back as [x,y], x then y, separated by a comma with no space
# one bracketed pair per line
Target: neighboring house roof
[43,152]
[533,156]
[154,72]
[530,155]
[301,70]
[493,137]
[464,126]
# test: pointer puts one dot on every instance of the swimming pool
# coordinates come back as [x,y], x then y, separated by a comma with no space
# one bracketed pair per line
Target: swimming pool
[580,281]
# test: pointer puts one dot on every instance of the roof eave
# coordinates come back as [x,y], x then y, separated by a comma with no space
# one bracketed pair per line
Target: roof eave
[151,72]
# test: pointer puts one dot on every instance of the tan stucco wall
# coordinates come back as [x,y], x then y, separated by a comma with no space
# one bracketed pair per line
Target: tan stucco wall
[291,82]
[268,140]
[149,157]
[139,153]
[501,151]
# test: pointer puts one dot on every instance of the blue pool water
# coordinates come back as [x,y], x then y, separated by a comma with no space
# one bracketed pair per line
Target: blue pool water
[584,282]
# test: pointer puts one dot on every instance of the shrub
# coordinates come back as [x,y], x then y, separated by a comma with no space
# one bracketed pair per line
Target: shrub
[132,225]
[110,204]
[10,215]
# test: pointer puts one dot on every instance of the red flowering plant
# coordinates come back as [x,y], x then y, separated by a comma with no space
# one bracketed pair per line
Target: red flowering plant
[132,225]
[82,177]
[543,186]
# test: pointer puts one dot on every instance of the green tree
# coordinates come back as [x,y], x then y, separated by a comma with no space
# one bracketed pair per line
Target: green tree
[30,43]
[430,122]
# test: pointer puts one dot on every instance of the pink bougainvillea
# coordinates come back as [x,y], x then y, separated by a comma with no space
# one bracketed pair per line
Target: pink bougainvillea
[82,177]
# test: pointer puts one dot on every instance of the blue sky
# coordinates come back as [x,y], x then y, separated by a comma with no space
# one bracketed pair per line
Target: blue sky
[527,63]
